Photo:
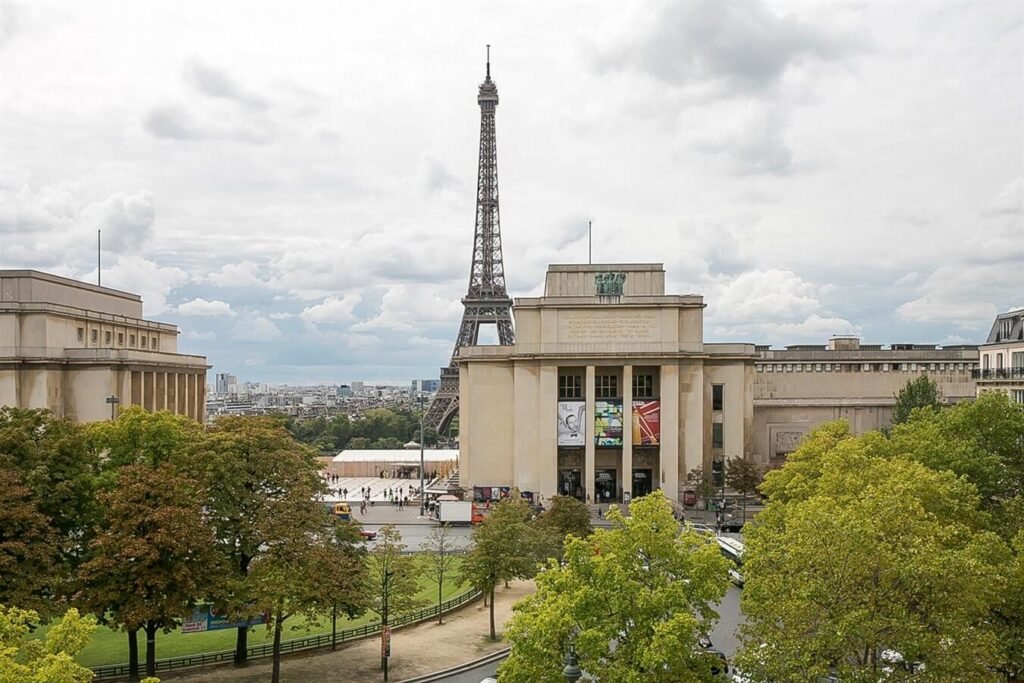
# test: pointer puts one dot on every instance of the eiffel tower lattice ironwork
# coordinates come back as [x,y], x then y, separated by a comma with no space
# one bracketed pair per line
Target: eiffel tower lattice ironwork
[486,302]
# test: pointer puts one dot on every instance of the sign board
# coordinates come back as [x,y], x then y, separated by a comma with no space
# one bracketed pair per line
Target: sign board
[608,423]
[207,618]
[646,423]
[571,426]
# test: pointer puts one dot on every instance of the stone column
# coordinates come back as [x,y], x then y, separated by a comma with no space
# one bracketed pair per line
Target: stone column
[190,388]
[588,453]
[627,431]
[671,457]
[160,402]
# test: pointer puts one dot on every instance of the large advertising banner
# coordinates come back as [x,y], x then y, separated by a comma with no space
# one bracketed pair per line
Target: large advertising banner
[646,423]
[207,618]
[608,423]
[571,427]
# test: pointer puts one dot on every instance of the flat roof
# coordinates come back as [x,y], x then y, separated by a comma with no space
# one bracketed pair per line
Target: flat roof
[410,455]
[58,279]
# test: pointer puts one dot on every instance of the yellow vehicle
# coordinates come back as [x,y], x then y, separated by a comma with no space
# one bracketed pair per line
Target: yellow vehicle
[343,511]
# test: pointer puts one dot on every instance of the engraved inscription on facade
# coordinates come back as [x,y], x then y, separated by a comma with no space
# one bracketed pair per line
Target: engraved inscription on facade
[625,326]
[787,442]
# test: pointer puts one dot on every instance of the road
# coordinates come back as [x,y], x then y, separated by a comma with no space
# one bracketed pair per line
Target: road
[414,535]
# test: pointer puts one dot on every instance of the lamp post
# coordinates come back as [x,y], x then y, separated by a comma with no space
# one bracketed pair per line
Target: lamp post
[421,455]
[571,671]
[113,400]
[385,632]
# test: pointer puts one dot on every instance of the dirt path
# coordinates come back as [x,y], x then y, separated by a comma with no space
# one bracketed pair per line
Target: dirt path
[415,650]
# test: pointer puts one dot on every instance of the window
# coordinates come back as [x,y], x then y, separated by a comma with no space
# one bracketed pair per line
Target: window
[984,361]
[131,340]
[643,386]
[1018,395]
[153,343]
[81,334]
[717,390]
[716,435]
[95,336]
[1017,359]
[106,338]
[120,338]
[570,386]
[607,386]
[999,361]
[143,340]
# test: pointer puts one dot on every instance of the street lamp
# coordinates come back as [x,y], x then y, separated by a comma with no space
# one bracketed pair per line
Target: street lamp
[421,455]
[571,672]
[113,400]
[385,632]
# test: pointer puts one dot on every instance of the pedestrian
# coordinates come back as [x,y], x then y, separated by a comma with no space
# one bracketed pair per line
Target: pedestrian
[599,512]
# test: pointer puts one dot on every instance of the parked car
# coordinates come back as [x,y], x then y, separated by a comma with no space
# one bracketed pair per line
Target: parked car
[368,534]
[701,528]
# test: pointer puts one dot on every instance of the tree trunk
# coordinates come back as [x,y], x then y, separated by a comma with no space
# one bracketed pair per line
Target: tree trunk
[334,626]
[494,636]
[439,615]
[241,645]
[133,655]
[151,629]
[275,675]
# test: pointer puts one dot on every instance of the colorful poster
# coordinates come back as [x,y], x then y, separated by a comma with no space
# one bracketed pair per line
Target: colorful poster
[206,618]
[608,423]
[646,423]
[571,428]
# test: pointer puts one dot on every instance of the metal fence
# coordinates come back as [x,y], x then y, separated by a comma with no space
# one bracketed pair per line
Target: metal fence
[296,644]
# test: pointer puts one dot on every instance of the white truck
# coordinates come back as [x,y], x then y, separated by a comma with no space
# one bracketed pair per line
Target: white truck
[454,512]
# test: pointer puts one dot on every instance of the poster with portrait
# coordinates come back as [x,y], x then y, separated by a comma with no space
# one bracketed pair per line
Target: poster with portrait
[608,423]
[646,423]
[571,428]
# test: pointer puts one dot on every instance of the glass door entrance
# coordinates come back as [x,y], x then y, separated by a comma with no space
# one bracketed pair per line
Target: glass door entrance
[642,484]
[570,483]
[605,489]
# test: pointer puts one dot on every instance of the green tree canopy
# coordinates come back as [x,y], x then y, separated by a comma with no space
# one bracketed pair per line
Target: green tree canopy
[28,548]
[440,561]
[565,515]
[743,476]
[922,392]
[43,661]
[260,483]
[861,551]
[634,599]
[504,548]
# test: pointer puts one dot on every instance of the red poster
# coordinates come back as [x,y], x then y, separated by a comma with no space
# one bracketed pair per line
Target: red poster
[646,423]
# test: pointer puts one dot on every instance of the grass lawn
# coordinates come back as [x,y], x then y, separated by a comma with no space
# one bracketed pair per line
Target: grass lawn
[111,647]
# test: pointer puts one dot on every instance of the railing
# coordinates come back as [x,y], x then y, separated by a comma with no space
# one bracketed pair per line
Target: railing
[294,645]
[998,373]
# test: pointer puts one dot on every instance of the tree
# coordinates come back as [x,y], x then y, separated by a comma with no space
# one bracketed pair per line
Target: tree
[51,458]
[440,560]
[28,548]
[43,661]
[153,557]
[308,573]
[634,600]
[393,577]
[702,485]
[922,392]
[1009,617]
[860,551]
[260,484]
[503,549]
[743,477]
[565,515]
[138,436]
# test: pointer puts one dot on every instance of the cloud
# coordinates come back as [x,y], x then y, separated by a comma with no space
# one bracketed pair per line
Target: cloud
[171,122]
[331,311]
[750,138]
[126,220]
[242,274]
[214,82]
[200,336]
[719,48]
[762,296]
[409,308]
[255,329]
[141,276]
[202,307]
[1010,200]
[814,328]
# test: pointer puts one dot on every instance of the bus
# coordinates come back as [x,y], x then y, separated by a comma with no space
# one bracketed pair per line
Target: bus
[732,549]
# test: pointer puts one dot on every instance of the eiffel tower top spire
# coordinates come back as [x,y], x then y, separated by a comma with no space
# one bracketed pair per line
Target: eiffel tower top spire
[486,301]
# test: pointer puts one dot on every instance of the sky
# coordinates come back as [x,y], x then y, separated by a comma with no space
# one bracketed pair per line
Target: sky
[293,183]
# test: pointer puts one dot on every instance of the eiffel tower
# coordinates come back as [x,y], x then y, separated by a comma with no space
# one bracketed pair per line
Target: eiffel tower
[486,302]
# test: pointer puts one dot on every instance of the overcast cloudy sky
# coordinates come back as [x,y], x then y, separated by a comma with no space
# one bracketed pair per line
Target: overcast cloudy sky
[292,183]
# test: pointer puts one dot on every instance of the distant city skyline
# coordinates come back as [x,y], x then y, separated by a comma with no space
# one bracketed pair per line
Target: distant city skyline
[305,214]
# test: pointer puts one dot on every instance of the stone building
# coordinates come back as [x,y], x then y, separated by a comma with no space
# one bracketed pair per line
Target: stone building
[1002,357]
[610,390]
[803,386]
[76,348]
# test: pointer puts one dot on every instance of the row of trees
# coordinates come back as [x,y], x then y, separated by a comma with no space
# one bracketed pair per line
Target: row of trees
[378,428]
[135,520]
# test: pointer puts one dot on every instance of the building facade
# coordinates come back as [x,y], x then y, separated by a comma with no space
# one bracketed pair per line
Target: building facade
[610,390]
[81,351]
[1002,357]
[800,387]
